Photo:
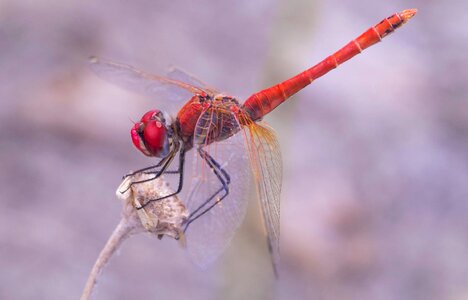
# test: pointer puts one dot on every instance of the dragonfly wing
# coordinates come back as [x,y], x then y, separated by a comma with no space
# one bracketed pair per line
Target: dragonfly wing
[182,75]
[171,94]
[209,235]
[266,162]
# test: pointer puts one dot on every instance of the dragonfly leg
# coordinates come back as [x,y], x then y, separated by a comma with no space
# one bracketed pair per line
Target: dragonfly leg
[152,169]
[225,180]
[166,160]
[180,171]
[145,169]
[164,172]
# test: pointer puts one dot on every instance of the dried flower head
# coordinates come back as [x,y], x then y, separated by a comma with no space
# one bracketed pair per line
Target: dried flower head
[162,217]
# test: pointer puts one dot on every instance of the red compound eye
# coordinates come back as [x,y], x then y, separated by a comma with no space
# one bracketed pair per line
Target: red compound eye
[151,115]
[150,134]
[154,137]
[136,137]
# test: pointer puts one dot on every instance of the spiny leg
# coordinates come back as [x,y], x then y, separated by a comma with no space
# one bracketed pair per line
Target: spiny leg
[222,176]
[216,168]
[146,169]
[165,162]
[179,171]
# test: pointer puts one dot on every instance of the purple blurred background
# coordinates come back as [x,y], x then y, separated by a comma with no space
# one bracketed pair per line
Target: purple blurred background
[374,204]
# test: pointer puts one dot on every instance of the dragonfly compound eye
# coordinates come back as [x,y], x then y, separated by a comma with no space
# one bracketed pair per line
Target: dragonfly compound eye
[150,134]
[137,138]
[154,114]
[155,138]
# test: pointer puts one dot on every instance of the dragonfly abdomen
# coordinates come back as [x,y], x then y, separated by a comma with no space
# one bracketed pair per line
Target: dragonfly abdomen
[261,103]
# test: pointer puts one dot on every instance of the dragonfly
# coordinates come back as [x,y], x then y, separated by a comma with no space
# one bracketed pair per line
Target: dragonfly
[232,146]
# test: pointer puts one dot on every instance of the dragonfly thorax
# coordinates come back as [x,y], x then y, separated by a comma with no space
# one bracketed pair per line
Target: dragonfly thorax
[152,135]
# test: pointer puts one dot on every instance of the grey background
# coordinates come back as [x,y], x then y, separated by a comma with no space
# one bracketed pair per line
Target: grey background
[374,204]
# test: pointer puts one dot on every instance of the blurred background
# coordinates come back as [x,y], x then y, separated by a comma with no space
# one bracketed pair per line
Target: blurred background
[374,201]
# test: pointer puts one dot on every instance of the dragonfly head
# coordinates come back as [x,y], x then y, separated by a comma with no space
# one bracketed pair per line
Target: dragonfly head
[150,135]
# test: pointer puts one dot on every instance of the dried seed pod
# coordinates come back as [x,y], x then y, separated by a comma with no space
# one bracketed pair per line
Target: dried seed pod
[162,217]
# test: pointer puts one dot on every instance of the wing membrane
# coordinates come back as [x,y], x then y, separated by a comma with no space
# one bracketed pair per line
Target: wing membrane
[183,76]
[171,94]
[266,163]
[209,235]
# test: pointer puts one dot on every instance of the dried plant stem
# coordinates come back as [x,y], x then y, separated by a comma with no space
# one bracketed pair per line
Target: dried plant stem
[159,218]
[121,232]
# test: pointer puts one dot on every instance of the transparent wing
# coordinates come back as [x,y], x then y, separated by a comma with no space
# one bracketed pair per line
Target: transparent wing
[266,162]
[170,94]
[183,76]
[209,235]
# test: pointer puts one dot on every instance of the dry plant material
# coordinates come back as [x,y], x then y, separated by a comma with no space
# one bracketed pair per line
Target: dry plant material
[163,217]
[160,218]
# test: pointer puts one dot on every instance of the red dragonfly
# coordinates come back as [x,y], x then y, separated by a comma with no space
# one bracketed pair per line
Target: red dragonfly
[228,138]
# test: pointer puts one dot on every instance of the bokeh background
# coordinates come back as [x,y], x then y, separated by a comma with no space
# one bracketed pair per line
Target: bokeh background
[374,204]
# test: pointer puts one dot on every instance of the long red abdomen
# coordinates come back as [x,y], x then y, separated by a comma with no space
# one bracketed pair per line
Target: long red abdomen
[261,103]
